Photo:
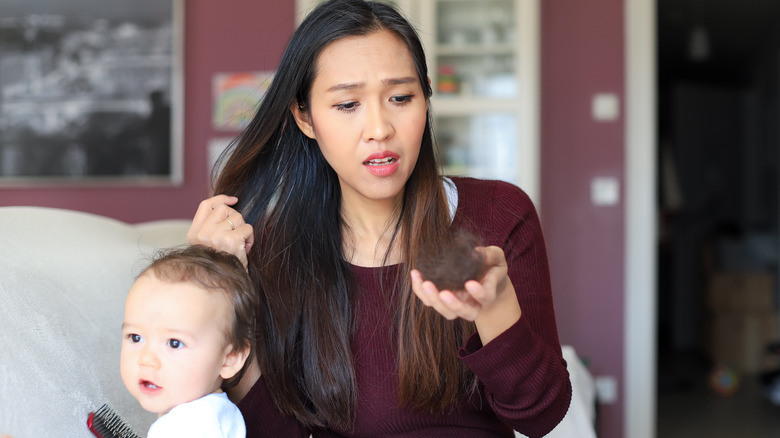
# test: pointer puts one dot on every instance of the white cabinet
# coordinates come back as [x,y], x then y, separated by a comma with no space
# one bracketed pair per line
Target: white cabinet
[483,59]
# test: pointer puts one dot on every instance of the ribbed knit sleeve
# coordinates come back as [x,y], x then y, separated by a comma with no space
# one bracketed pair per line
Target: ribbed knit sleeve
[522,370]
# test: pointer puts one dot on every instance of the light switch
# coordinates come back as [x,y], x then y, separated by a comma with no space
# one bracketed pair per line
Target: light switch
[604,191]
[606,389]
[605,107]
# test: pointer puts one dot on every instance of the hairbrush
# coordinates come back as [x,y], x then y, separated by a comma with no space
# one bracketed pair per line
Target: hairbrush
[106,423]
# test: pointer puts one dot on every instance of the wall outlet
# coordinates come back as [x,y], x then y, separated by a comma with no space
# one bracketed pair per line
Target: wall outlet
[604,191]
[606,390]
[605,107]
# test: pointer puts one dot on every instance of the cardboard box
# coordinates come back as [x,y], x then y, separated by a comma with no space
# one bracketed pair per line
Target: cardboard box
[741,293]
[741,341]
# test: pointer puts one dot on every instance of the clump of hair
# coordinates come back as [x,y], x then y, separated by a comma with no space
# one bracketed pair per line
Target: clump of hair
[454,262]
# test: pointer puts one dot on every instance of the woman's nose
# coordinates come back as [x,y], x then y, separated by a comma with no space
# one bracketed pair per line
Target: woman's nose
[378,126]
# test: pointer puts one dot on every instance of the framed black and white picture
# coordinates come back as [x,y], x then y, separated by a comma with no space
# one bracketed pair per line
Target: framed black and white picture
[91,92]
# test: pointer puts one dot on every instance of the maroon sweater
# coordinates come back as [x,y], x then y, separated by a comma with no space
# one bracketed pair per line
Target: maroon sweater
[524,384]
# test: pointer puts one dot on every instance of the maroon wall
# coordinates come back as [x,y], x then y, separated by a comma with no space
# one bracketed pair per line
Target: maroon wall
[224,36]
[582,54]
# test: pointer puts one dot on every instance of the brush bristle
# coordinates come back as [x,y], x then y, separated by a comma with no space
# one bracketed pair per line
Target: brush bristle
[106,423]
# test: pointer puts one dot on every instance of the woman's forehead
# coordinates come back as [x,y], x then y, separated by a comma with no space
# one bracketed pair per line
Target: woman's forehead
[381,53]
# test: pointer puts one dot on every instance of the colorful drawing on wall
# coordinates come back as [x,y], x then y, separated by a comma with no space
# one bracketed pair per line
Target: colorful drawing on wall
[236,97]
[90,92]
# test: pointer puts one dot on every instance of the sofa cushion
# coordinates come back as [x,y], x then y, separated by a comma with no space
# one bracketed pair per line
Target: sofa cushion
[64,276]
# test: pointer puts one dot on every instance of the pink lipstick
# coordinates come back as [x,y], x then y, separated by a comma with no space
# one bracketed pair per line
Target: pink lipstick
[383,163]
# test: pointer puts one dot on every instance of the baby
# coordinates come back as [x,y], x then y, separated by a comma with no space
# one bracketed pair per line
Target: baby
[188,332]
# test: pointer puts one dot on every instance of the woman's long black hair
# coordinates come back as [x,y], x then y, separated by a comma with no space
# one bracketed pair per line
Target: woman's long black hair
[292,197]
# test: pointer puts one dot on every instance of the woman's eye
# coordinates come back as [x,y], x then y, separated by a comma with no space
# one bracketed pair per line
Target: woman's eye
[402,99]
[134,338]
[175,343]
[348,107]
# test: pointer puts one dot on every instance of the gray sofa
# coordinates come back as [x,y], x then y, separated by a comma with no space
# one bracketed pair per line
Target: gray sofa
[63,279]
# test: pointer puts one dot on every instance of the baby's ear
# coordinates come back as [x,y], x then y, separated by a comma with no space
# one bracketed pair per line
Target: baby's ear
[234,361]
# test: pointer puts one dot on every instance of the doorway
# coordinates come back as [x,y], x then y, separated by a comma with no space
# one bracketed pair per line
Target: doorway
[718,135]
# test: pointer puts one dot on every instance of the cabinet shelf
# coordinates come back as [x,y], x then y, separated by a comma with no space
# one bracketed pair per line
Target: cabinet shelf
[462,106]
[475,49]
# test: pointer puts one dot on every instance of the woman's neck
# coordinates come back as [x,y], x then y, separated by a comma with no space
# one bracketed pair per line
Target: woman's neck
[368,232]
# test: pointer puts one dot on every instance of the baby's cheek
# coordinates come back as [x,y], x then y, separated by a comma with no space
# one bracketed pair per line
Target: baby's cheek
[125,369]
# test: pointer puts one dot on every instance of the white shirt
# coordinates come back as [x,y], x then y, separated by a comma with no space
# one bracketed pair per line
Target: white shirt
[211,416]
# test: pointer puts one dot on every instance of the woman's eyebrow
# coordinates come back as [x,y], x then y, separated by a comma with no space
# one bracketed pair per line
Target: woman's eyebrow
[350,86]
[389,81]
[400,81]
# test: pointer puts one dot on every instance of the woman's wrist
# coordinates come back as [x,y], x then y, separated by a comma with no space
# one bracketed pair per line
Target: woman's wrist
[501,314]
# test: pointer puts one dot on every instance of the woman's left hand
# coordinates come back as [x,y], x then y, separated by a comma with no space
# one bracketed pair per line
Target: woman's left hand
[490,302]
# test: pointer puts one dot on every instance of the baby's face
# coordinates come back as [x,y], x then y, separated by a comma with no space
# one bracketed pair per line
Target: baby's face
[173,342]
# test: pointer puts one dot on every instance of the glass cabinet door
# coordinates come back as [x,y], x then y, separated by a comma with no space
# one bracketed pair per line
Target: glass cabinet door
[475,48]
[483,61]
[481,145]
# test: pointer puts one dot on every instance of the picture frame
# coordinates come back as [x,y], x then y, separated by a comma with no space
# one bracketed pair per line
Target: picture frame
[91,92]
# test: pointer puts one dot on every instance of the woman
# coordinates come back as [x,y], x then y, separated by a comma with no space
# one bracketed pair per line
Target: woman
[330,196]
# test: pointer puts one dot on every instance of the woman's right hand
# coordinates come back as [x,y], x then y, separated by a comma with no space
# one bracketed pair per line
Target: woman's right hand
[217,225]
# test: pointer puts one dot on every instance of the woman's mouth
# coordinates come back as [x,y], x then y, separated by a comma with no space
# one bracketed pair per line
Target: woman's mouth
[382,163]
